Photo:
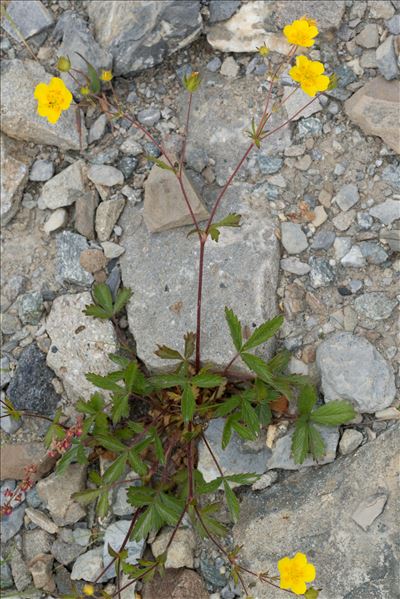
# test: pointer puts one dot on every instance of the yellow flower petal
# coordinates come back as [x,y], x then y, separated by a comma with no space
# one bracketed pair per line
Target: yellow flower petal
[40,91]
[57,84]
[317,68]
[53,116]
[309,573]
[283,564]
[300,559]
[299,588]
[323,83]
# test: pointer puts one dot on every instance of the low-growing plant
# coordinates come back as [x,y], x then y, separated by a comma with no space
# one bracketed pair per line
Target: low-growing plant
[150,424]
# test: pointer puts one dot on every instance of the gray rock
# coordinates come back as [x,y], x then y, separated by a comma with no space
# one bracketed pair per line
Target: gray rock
[392,237]
[161,310]
[323,239]
[220,121]
[30,18]
[317,511]
[11,524]
[354,258]
[269,165]
[293,239]
[69,248]
[181,550]
[322,273]
[76,37]
[149,116]
[9,324]
[102,174]
[31,387]
[237,457]
[374,305]
[344,220]
[80,344]
[364,220]
[31,307]
[211,570]
[386,59]
[220,11]
[63,189]
[131,146]
[66,553]
[310,126]
[9,425]
[350,440]
[42,170]
[352,369]
[373,252]
[107,215]
[20,119]
[197,159]
[120,504]
[56,220]
[393,24]
[140,36]
[295,104]
[265,481]
[368,36]
[85,210]
[21,575]
[342,246]
[375,107]
[347,196]
[128,165]
[387,212]
[281,453]
[230,68]
[114,536]
[5,371]
[81,536]
[56,491]
[164,207]
[41,570]
[369,509]
[295,266]
[214,65]
[112,250]
[42,520]
[35,542]
[5,573]
[391,175]
[14,174]
[98,128]
[89,566]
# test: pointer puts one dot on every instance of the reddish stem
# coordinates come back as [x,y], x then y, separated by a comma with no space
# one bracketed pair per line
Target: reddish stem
[199,299]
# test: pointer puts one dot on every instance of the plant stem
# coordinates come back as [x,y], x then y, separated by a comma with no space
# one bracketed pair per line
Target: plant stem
[186,135]
[199,299]
[212,454]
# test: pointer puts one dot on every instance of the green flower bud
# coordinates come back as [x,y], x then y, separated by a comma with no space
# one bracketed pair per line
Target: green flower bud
[192,81]
[64,64]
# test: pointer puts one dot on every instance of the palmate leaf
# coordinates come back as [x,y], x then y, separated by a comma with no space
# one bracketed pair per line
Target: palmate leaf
[207,380]
[300,441]
[334,413]
[116,470]
[123,297]
[307,399]
[87,496]
[258,366]
[264,332]
[235,328]
[316,443]
[120,408]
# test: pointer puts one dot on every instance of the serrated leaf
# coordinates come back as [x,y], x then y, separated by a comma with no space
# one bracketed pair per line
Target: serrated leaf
[228,406]
[235,328]
[123,297]
[247,478]
[103,505]
[111,443]
[165,381]
[149,521]
[158,447]
[316,444]
[120,360]
[188,403]
[264,412]
[103,297]
[227,432]
[190,344]
[96,311]
[232,502]
[258,366]
[300,441]
[140,496]
[264,332]
[87,496]
[116,470]
[103,382]
[207,380]
[167,353]
[130,375]
[307,399]
[280,361]
[250,417]
[160,163]
[334,413]
[243,431]
[120,408]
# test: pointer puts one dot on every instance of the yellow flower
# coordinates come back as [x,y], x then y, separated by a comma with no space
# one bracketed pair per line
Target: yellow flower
[263,50]
[106,75]
[85,91]
[52,99]
[301,32]
[309,74]
[295,573]
[88,589]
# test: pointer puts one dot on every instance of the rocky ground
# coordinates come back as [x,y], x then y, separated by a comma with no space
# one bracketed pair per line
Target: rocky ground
[319,241]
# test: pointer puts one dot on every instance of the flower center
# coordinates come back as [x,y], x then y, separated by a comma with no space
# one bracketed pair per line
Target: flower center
[54,99]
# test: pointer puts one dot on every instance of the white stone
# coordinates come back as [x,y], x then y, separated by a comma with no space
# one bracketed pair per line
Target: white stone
[350,440]
[62,190]
[56,220]
[104,174]
[181,550]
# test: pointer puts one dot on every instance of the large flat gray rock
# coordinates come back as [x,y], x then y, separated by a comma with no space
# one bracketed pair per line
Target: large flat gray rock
[240,271]
[316,513]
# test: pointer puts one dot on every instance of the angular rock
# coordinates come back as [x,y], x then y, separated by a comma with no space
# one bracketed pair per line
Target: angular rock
[42,520]
[149,116]
[281,453]
[176,584]
[112,250]
[41,570]
[20,119]
[35,542]
[237,457]
[317,511]
[16,456]
[56,221]
[368,36]
[327,14]
[351,439]
[56,492]
[352,369]
[374,305]
[373,252]
[69,248]
[92,260]
[164,205]
[11,524]
[296,101]
[79,344]
[8,424]
[347,196]
[21,575]
[323,240]
[220,116]
[386,59]
[31,387]
[103,174]
[369,509]
[29,17]
[98,128]
[375,107]
[294,266]
[343,220]
[114,536]
[322,273]
[66,552]
[89,566]
[230,68]
[63,189]
[14,174]
[31,307]
[354,258]
[85,210]
[392,238]
[181,550]
[107,215]
[240,271]
[42,170]
[293,239]
[387,212]
[140,36]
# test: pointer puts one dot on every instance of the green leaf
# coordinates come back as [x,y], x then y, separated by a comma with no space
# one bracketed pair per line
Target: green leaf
[312,593]
[103,382]
[164,381]
[227,432]
[250,417]
[235,328]
[102,296]
[264,412]
[334,413]
[75,454]
[280,361]
[188,403]
[160,163]
[149,521]
[167,353]
[258,366]
[136,462]
[87,496]
[190,344]
[116,470]
[111,443]
[95,83]
[243,432]
[96,312]
[228,406]
[300,441]
[140,496]
[103,505]
[307,399]
[120,408]
[316,443]
[232,220]
[130,375]
[264,332]
[207,380]
[243,479]
[120,360]
[123,297]
[232,502]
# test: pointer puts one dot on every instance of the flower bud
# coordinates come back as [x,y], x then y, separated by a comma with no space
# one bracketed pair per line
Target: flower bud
[64,64]
[85,91]
[88,589]
[106,75]
[192,81]
[263,50]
